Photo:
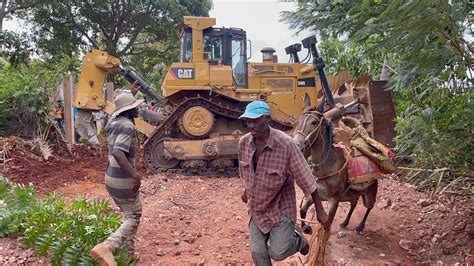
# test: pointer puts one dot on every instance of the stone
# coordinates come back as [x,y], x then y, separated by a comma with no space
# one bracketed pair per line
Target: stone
[219,256]
[382,255]
[469,229]
[405,244]
[397,262]
[239,218]
[191,240]
[196,252]
[176,242]
[177,252]
[385,203]
[424,203]
[160,252]
[341,234]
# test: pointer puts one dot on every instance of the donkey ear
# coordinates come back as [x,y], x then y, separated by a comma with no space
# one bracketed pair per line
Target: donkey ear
[320,107]
[306,101]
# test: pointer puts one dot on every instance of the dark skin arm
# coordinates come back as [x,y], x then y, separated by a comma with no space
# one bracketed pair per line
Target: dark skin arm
[123,162]
[323,218]
[135,87]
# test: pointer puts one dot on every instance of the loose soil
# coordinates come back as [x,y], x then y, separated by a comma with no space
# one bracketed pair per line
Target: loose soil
[195,220]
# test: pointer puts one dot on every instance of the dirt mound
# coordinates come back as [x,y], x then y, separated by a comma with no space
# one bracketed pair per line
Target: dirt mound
[24,163]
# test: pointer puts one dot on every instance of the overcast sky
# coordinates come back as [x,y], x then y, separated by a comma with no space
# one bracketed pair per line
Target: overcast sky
[260,19]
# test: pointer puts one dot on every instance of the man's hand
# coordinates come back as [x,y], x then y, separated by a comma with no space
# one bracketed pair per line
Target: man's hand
[136,183]
[244,196]
[324,220]
[135,87]
[321,215]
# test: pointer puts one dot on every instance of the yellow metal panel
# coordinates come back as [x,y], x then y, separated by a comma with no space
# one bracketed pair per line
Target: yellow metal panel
[220,75]
[199,23]
[202,74]
[144,127]
[171,79]
[282,98]
[198,52]
[89,91]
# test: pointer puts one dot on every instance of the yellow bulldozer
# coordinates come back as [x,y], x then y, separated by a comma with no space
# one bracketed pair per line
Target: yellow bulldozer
[207,90]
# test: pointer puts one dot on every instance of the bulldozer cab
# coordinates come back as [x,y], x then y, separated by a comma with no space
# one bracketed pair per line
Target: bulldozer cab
[227,46]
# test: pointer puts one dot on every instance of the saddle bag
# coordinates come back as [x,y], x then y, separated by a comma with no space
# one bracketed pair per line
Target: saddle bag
[367,158]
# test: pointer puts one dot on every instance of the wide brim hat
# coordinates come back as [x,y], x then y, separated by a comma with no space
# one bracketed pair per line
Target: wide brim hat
[124,102]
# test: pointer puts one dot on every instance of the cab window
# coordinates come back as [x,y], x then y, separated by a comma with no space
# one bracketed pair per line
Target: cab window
[186,51]
[212,48]
[238,61]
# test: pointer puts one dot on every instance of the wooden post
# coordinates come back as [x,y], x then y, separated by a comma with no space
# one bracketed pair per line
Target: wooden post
[68,112]
[109,91]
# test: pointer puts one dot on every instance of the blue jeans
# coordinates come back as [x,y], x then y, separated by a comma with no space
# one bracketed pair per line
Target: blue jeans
[281,242]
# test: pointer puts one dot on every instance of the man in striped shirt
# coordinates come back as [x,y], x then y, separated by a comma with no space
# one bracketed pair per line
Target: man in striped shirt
[270,163]
[122,179]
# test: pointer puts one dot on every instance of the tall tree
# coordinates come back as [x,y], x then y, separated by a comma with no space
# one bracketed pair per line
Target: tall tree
[429,44]
[424,32]
[9,7]
[119,27]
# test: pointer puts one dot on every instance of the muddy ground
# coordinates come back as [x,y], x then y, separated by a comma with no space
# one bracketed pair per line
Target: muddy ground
[194,220]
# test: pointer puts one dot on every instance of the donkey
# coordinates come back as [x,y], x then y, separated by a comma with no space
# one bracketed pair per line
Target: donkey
[313,134]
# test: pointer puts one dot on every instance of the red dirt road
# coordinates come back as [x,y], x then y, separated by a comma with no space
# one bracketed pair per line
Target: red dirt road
[202,220]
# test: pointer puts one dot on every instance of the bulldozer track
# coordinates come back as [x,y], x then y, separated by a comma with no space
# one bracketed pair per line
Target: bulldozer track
[164,130]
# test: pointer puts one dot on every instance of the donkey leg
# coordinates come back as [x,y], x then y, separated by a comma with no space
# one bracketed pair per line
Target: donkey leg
[369,198]
[304,210]
[361,226]
[333,204]
[349,214]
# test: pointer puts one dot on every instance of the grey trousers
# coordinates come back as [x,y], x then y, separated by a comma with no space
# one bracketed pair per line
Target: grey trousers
[281,242]
[125,234]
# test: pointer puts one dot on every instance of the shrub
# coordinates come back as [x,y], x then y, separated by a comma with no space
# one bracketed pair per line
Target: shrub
[65,231]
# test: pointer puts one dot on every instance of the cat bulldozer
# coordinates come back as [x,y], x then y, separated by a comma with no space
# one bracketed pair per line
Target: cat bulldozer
[204,94]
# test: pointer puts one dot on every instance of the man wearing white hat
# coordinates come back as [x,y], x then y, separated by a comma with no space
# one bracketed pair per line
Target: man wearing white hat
[122,179]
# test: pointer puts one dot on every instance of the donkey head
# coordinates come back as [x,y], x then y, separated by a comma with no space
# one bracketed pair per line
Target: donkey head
[309,127]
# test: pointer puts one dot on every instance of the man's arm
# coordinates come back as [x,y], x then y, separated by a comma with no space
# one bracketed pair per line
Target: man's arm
[239,156]
[125,164]
[301,173]
[135,87]
[323,218]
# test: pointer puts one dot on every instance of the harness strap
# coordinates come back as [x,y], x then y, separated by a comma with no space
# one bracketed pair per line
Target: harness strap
[328,151]
[332,174]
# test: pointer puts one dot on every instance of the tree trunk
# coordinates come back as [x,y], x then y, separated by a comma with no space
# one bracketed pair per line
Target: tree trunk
[3,7]
[386,71]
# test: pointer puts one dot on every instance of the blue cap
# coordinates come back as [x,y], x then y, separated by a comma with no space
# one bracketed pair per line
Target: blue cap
[255,110]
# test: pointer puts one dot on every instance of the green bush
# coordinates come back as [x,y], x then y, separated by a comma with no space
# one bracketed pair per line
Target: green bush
[25,103]
[435,128]
[65,231]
